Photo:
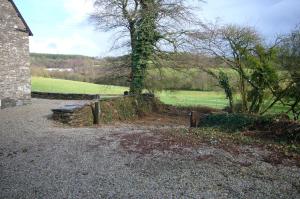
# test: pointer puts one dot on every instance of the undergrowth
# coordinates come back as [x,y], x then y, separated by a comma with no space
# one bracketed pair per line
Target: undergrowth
[218,137]
[234,122]
[127,108]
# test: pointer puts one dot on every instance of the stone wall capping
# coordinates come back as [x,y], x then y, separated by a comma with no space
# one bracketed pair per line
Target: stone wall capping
[64,96]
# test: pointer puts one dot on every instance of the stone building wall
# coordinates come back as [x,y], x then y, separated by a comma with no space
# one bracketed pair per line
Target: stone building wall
[15,87]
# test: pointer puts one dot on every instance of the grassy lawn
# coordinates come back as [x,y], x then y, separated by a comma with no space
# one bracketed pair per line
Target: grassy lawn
[66,86]
[178,98]
[202,98]
[194,98]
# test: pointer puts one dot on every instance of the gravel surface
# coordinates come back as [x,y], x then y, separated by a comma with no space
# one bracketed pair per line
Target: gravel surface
[40,159]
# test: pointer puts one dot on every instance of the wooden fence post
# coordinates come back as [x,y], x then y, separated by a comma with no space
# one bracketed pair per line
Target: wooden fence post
[193,120]
[97,113]
[96,110]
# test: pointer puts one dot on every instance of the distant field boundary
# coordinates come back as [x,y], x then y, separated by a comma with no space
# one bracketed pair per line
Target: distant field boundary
[70,96]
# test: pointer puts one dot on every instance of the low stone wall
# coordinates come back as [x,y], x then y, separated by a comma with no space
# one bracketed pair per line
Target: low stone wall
[110,110]
[77,115]
[64,96]
[7,102]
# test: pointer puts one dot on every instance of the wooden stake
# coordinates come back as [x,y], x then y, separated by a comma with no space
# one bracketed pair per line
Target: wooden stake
[97,113]
[193,122]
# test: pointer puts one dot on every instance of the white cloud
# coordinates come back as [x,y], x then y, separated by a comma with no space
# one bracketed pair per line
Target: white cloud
[269,16]
[73,35]
[78,10]
[74,44]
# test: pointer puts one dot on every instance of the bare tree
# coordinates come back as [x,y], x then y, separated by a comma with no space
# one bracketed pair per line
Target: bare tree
[149,28]
[232,44]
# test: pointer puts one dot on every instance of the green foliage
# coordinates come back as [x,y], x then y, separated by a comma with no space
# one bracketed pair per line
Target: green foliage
[127,108]
[224,83]
[147,103]
[238,107]
[106,114]
[228,122]
[117,109]
[235,121]
[243,50]
[275,127]
[263,76]
[241,40]
[290,60]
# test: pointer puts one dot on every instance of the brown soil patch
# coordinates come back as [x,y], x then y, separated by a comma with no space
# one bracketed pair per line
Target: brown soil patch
[163,120]
[184,111]
[147,143]
[184,144]
[164,136]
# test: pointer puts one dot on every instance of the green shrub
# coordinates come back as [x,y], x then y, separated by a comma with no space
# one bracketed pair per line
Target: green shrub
[127,108]
[228,122]
[271,127]
[235,121]
[147,103]
[117,109]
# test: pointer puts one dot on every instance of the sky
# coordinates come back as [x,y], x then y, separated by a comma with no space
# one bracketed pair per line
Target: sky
[62,26]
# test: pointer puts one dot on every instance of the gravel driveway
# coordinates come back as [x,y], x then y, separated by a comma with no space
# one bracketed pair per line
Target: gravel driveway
[40,159]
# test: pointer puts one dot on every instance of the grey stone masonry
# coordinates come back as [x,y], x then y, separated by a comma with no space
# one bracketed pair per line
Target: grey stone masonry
[15,86]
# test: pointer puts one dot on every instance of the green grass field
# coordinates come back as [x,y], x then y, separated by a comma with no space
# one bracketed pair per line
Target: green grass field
[66,86]
[178,98]
[194,98]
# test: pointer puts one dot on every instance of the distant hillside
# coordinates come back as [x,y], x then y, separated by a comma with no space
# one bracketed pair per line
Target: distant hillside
[111,70]
[56,56]
[59,61]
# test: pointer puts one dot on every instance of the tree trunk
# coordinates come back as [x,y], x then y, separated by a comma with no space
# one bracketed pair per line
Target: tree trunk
[145,38]
[243,94]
